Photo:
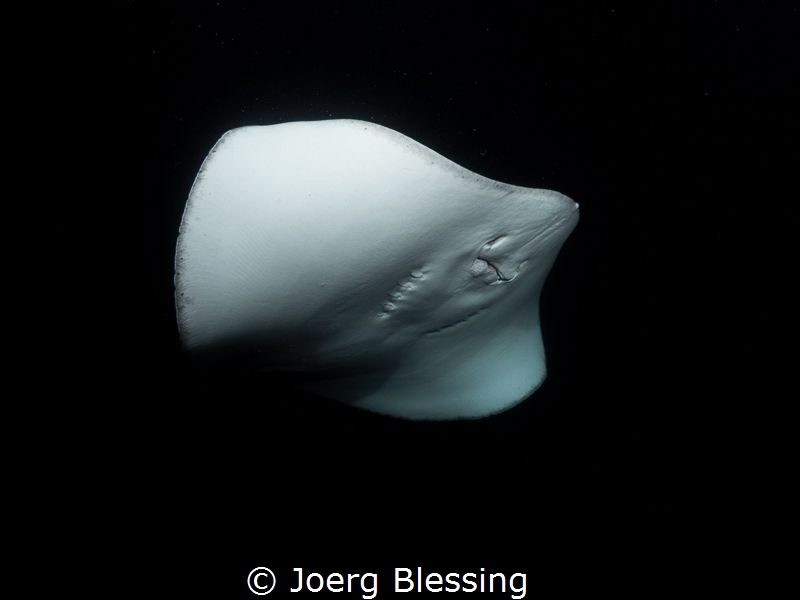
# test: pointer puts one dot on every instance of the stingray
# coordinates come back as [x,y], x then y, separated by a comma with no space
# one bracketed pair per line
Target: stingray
[378,272]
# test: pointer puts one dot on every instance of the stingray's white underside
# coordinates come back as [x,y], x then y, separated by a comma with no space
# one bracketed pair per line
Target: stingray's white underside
[394,279]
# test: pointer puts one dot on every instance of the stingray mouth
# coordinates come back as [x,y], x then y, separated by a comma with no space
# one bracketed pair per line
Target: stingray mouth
[492,272]
[454,324]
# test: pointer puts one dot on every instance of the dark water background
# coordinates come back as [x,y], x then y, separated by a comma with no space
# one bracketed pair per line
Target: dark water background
[669,122]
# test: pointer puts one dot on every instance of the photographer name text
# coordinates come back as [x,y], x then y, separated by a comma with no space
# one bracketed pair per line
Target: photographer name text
[412,580]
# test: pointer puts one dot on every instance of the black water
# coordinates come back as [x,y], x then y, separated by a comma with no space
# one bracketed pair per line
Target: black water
[670,124]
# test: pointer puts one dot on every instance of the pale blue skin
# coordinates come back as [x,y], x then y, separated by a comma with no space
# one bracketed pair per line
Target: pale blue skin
[408,285]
